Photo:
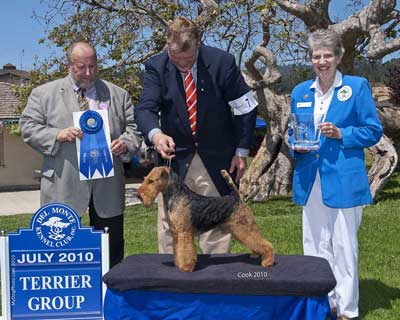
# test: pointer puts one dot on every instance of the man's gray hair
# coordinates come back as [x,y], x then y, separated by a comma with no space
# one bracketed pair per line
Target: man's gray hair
[71,48]
[326,38]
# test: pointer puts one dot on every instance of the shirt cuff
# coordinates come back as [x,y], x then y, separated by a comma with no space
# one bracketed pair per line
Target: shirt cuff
[152,133]
[241,152]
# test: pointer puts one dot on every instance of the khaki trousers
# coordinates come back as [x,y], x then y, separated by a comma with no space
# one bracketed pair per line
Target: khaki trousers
[210,242]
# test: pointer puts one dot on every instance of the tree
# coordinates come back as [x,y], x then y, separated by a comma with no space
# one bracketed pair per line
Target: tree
[370,30]
[127,32]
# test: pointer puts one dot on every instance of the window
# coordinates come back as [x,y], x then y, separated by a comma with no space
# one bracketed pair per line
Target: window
[2,164]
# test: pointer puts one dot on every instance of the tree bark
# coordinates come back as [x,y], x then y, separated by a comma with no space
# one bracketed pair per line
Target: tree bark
[384,163]
[271,169]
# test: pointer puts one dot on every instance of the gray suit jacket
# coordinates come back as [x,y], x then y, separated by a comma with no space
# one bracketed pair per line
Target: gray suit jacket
[49,110]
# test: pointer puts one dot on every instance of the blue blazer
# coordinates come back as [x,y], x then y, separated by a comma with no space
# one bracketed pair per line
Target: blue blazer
[341,164]
[162,105]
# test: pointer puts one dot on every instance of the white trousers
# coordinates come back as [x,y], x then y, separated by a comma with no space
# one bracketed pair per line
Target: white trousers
[210,242]
[331,233]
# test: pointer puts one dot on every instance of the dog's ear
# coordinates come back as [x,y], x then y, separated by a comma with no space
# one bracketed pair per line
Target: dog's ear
[164,175]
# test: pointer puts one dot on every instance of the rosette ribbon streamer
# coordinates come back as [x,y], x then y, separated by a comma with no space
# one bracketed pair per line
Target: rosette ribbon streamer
[94,151]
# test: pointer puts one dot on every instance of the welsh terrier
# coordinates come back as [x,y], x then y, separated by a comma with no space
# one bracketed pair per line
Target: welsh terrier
[189,212]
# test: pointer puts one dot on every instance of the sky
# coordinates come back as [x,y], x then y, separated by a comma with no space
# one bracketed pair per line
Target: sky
[20,32]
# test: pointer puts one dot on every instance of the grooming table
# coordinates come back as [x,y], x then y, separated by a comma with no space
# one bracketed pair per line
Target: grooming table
[226,286]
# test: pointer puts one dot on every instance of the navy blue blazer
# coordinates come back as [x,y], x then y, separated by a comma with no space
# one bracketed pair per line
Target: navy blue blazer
[162,105]
[341,165]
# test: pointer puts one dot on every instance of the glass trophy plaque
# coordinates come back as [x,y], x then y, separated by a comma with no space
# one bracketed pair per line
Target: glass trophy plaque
[306,131]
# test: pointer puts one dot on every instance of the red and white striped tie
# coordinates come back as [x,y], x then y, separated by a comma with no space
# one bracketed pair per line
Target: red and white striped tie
[191,100]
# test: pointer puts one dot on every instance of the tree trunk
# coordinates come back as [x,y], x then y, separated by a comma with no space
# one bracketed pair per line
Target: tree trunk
[270,173]
[271,170]
[261,182]
[384,163]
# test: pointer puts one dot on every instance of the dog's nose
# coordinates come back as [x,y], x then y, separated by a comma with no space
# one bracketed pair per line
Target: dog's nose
[139,196]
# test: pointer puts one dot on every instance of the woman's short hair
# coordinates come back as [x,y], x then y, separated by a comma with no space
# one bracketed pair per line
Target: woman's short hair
[326,38]
[182,34]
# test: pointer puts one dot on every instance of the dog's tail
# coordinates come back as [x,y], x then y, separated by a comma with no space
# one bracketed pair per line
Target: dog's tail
[230,183]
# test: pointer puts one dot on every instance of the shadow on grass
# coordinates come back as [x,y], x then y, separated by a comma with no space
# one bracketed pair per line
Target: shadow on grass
[276,206]
[375,295]
[391,189]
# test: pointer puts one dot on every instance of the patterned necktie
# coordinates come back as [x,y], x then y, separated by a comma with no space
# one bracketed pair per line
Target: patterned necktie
[191,100]
[83,102]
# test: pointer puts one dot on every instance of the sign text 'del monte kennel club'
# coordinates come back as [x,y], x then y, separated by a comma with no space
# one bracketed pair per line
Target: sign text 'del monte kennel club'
[56,268]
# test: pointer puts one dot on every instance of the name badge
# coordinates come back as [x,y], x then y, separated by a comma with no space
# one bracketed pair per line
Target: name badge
[304,104]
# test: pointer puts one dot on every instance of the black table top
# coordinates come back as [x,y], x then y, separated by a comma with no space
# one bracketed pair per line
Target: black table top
[237,274]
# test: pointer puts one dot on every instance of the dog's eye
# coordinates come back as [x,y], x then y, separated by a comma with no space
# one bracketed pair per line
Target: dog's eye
[150,180]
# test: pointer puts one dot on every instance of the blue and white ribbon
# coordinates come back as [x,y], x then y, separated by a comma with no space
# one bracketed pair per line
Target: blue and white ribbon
[94,151]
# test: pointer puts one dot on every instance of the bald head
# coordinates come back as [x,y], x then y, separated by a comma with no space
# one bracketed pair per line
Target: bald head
[78,49]
[82,64]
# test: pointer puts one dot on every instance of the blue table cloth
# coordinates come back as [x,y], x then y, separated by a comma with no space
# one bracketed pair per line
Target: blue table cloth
[150,287]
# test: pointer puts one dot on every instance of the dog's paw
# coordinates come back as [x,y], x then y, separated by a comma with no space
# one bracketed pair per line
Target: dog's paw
[268,260]
[187,267]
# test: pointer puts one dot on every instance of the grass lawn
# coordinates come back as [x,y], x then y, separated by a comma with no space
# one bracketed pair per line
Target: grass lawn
[280,221]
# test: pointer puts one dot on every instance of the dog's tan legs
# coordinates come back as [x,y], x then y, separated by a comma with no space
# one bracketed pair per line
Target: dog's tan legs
[244,228]
[256,243]
[185,252]
[182,231]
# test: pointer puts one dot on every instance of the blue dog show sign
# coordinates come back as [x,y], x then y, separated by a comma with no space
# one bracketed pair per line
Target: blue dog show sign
[56,268]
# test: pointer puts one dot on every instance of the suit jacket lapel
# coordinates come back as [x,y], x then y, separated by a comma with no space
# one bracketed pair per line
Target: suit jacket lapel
[68,96]
[174,76]
[203,78]
[103,96]
[102,93]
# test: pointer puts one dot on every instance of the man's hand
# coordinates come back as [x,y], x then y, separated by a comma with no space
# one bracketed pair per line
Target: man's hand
[69,134]
[238,163]
[118,147]
[164,145]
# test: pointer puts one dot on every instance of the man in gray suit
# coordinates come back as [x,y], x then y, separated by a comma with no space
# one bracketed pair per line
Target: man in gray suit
[47,126]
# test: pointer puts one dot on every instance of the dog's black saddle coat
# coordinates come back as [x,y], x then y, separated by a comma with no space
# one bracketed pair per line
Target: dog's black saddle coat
[206,212]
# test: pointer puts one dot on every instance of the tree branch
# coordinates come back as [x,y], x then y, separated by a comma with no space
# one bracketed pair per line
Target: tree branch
[246,38]
[268,13]
[209,12]
[384,163]
[271,74]
[378,47]
[314,15]
[120,9]
[369,21]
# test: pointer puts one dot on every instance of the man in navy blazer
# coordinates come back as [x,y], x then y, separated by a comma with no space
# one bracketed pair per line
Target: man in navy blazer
[224,119]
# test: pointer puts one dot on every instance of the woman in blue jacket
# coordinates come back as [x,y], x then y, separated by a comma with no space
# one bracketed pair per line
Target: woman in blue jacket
[331,183]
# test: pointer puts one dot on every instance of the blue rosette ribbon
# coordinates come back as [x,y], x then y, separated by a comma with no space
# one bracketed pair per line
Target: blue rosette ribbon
[94,151]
